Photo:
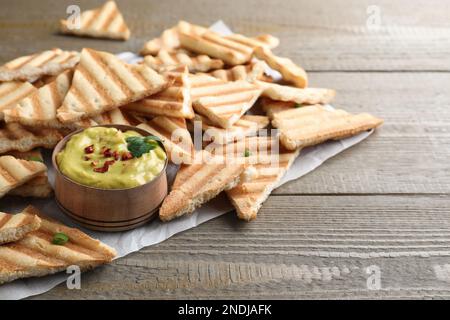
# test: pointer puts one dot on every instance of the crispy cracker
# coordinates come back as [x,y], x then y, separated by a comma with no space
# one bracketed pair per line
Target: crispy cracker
[102,82]
[249,72]
[269,168]
[301,96]
[15,172]
[175,136]
[223,102]
[289,70]
[35,255]
[175,101]
[14,227]
[104,22]
[212,44]
[311,125]
[264,40]
[39,108]
[246,126]
[38,187]
[272,107]
[170,40]
[198,183]
[178,58]
[12,92]
[14,136]
[32,67]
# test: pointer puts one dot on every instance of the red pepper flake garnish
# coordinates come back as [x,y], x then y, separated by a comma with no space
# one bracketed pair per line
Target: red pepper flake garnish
[89,149]
[107,153]
[126,156]
[105,167]
[116,155]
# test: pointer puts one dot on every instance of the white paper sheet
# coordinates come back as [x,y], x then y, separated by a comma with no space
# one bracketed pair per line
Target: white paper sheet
[156,231]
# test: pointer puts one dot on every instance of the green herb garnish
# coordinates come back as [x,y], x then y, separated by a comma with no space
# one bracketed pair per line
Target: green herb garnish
[35,158]
[140,145]
[60,239]
[298,105]
[247,153]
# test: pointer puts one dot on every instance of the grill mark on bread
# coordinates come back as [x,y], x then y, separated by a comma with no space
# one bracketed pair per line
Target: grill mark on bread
[4,218]
[112,75]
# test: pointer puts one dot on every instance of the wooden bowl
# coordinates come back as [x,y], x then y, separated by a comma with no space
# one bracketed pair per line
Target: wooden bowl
[109,209]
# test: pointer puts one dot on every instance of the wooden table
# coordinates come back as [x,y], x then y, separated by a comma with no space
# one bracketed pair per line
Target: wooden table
[382,205]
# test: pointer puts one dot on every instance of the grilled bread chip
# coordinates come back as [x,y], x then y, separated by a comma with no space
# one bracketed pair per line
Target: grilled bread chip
[14,227]
[167,41]
[246,126]
[212,44]
[15,172]
[175,101]
[35,255]
[39,109]
[250,72]
[198,183]
[102,82]
[301,96]
[175,136]
[170,40]
[223,102]
[166,59]
[12,92]
[272,107]
[104,22]
[32,67]
[14,136]
[289,70]
[270,163]
[311,125]
[233,49]
[264,40]
[38,187]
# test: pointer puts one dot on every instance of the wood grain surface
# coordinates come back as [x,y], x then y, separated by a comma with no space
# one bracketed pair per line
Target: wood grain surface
[384,203]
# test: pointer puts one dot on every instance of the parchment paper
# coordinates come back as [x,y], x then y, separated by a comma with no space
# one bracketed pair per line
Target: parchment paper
[156,231]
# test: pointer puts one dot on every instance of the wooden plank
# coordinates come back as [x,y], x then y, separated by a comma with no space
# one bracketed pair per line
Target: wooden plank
[412,36]
[408,154]
[299,247]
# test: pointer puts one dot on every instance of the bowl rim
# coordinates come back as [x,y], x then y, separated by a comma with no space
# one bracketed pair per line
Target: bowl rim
[122,127]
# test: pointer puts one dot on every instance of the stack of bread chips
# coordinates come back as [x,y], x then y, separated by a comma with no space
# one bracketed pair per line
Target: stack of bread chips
[227,85]
[191,80]
[31,246]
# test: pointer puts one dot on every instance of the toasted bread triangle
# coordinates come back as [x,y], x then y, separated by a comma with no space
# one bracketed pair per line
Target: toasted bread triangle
[14,136]
[39,186]
[104,22]
[39,109]
[14,227]
[35,255]
[288,69]
[269,163]
[15,172]
[223,102]
[174,101]
[12,92]
[246,126]
[198,183]
[311,125]
[32,67]
[175,136]
[102,82]
[173,59]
